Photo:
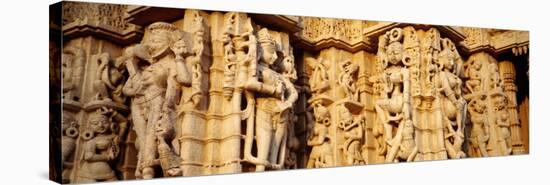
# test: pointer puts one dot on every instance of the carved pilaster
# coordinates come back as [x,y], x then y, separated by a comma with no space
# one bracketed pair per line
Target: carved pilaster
[508,75]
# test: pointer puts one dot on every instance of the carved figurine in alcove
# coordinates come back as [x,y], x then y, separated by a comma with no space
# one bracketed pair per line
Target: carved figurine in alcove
[347,80]
[100,148]
[109,79]
[473,73]
[319,80]
[275,96]
[495,82]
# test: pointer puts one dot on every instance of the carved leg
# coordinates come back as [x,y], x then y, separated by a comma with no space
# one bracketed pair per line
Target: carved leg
[483,145]
[276,142]
[263,137]
[150,147]
[139,127]
[395,144]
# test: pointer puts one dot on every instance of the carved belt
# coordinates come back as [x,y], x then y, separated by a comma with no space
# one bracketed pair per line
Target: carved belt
[148,96]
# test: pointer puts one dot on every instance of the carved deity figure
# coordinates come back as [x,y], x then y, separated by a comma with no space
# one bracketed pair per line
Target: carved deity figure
[319,139]
[347,81]
[275,96]
[480,129]
[453,104]
[503,122]
[353,134]
[393,105]
[99,149]
[157,69]
[109,79]
[473,73]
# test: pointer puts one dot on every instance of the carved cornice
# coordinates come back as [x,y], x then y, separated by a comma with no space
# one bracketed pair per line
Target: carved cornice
[101,20]
[145,15]
[321,33]
[495,41]
[289,24]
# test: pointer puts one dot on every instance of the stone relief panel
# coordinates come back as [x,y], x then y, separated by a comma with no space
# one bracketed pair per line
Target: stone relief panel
[208,92]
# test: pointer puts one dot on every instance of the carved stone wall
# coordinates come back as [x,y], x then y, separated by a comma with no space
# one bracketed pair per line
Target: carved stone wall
[153,92]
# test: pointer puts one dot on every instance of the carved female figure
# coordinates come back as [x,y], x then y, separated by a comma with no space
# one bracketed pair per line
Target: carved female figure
[99,149]
[394,103]
[453,104]
[480,128]
[276,95]
[156,73]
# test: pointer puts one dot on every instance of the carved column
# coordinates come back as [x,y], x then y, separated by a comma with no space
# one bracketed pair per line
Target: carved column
[508,74]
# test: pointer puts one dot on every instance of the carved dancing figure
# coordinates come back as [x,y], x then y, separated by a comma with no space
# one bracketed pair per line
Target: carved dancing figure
[157,69]
[453,104]
[394,103]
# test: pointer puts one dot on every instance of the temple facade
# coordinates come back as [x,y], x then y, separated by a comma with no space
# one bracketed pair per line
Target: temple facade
[140,92]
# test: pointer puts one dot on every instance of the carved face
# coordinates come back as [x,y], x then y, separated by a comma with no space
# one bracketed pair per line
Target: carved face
[476,65]
[163,128]
[346,116]
[500,102]
[99,124]
[395,53]
[179,47]
[269,53]
[158,43]
[479,107]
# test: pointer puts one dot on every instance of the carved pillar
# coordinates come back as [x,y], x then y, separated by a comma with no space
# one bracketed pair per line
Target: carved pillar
[485,84]
[508,75]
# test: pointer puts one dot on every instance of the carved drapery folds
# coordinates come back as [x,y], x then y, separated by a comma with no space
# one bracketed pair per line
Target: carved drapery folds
[221,92]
